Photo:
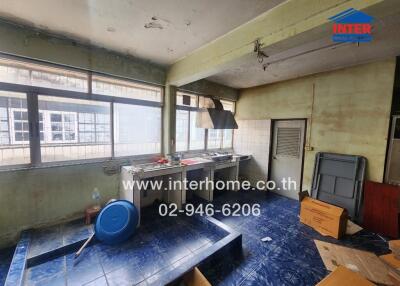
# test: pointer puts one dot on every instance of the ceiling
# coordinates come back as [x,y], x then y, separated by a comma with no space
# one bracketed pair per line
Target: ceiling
[165,31]
[314,53]
[159,31]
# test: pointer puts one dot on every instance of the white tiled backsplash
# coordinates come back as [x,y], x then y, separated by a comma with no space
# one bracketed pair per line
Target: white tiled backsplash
[253,137]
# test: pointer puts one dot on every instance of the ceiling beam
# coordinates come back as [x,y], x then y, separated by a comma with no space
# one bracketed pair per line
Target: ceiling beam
[289,20]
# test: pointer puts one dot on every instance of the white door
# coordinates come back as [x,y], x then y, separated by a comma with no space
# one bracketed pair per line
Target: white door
[287,156]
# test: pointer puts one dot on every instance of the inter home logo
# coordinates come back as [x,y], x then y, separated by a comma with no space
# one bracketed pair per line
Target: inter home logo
[352,26]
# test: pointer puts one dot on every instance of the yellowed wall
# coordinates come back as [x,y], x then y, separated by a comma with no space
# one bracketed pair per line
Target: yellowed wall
[38,197]
[350,114]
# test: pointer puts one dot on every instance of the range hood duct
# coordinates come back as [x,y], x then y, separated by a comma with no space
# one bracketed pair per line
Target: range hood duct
[216,118]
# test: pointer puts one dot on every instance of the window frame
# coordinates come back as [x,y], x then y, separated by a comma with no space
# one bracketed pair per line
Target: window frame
[8,123]
[12,131]
[32,93]
[206,131]
[49,122]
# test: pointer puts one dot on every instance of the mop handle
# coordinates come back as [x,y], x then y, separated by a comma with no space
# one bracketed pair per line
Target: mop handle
[83,246]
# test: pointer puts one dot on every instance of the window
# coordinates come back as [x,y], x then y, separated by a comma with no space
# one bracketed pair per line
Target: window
[67,121]
[197,135]
[228,105]
[182,130]
[21,125]
[190,137]
[62,127]
[227,141]
[186,99]
[87,127]
[214,138]
[4,126]
[227,138]
[102,127]
[222,138]
[125,89]
[137,130]
[14,129]
[73,127]
[25,73]
[94,127]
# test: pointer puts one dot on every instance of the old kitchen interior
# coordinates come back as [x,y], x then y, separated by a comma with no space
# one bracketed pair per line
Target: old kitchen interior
[114,114]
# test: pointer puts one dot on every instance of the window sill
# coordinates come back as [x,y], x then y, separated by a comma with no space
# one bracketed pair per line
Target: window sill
[203,151]
[60,164]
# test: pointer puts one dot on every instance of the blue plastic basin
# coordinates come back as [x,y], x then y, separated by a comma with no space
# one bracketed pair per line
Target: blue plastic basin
[116,222]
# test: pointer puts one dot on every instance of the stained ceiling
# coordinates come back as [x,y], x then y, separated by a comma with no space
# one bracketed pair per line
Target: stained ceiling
[165,31]
[159,31]
[315,53]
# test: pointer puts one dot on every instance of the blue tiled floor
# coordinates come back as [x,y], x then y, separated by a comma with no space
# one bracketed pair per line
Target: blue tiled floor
[163,244]
[5,260]
[291,258]
[160,245]
[51,238]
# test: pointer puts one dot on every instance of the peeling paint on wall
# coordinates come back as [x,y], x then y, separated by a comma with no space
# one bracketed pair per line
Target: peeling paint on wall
[153,25]
[350,115]
[29,201]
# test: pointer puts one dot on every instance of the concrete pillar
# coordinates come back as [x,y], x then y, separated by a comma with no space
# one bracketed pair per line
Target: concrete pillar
[169,119]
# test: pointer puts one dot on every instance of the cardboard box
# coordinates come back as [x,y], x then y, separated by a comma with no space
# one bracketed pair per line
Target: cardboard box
[365,263]
[391,260]
[325,218]
[394,246]
[195,278]
[344,277]
[394,267]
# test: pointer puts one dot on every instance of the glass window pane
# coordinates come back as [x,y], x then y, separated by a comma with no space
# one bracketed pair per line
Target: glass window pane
[4,138]
[227,138]
[185,99]
[214,138]
[56,136]
[57,126]
[69,136]
[69,131]
[228,105]
[20,72]
[205,102]
[182,129]
[124,88]
[55,117]
[18,126]
[137,130]
[14,142]
[69,117]
[3,126]
[196,134]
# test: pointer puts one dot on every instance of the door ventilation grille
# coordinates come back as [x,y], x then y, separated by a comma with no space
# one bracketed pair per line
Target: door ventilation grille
[288,142]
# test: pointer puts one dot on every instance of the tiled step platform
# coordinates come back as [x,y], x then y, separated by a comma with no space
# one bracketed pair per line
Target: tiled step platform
[6,255]
[161,251]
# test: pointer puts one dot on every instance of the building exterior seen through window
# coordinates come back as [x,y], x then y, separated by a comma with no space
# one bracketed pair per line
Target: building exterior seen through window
[191,138]
[75,127]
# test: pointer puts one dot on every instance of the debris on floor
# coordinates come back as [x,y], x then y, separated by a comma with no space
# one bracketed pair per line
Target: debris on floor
[267,238]
[392,260]
[365,263]
[352,228]
[344,277]
[195,278]
[394,246]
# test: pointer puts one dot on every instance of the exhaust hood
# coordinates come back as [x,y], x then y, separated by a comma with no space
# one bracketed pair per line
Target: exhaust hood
[215,117]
